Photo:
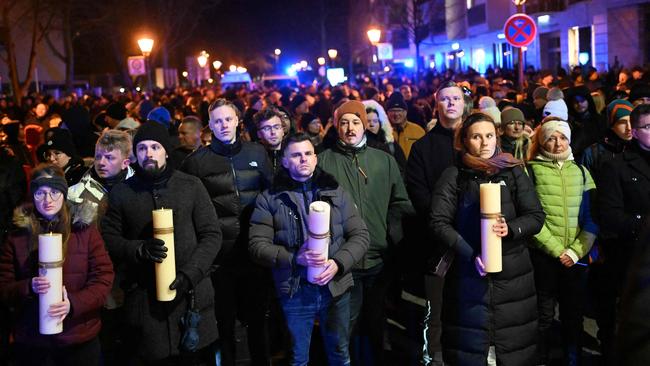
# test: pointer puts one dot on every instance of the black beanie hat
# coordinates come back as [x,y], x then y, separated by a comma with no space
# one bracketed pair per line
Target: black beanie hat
[638,91]
[151,130]
[60,140]
[116,111]
[396,100]
[306,119]
[54,182]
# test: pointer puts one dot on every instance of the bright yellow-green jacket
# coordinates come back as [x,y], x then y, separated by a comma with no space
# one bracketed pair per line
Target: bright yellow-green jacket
[564,193]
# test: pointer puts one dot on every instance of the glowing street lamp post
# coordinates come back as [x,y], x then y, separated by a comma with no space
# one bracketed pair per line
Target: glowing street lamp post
[374,35]
[332,53]
[276,56]
[202,59]
[146,45]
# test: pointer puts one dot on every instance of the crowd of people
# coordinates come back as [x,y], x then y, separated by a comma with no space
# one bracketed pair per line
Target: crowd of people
[400,167]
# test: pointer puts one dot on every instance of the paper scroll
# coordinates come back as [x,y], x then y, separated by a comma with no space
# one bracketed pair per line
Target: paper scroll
[163,229]
[318,223]
[50,263]
[490,197]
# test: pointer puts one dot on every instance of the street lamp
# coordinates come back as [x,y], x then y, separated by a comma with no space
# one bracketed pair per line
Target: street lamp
[232,68]
[217,64]
[332,53]
[202,59]
[276,56]
[146,45]
[374,35]
[321,61]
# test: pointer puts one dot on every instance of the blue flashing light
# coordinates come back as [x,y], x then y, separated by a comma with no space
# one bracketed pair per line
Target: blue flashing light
[409,63]
[291,71]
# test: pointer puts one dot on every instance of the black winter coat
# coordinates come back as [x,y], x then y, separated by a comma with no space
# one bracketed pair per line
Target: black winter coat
[499,309]
[197,240]
[277,231]
[429,157]
[233,175]
[624,195]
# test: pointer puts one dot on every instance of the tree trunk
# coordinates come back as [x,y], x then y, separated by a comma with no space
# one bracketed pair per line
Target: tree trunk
[68,48]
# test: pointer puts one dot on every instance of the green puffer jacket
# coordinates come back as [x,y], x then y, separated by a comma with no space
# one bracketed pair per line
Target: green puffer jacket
[565,196]
[373,179]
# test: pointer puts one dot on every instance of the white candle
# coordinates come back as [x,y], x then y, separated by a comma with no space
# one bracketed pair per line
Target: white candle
[50,256]
[163,229]
[490,198]
[318,222]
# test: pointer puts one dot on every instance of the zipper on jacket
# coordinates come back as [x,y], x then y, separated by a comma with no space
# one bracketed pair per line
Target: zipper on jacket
[564,206]
[234,177]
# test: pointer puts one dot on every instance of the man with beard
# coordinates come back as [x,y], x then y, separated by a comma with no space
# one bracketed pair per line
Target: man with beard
[155,328]
[234,172]
[268,122]
[373,179]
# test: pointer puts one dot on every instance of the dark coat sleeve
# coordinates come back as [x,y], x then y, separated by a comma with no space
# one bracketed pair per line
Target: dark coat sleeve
[119,248]
[611,203]
[208,236]
[530,215]
[416,181]
[261,245]
[92,295]
[357,239]
[12,290]
[444,204]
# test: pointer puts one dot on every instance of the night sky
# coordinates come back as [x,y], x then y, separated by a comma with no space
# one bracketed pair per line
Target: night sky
[239,31]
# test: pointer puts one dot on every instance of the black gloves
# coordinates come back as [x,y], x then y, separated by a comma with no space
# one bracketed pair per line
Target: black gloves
[181,284]
[152,250]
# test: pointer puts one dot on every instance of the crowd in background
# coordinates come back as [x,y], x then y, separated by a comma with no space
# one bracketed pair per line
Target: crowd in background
[572,148]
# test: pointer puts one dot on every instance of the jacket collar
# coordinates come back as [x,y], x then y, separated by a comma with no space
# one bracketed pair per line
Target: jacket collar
[228,150]
[321,181]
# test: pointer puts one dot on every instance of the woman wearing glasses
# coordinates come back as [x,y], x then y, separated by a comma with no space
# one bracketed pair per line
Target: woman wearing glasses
[87,277]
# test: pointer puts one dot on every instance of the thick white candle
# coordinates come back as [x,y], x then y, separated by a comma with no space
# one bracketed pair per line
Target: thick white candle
[50,255]
[163,229]
[490,198]
[318,222]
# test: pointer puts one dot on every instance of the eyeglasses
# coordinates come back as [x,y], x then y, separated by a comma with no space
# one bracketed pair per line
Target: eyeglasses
[268,129]
[52,154]
[54,195]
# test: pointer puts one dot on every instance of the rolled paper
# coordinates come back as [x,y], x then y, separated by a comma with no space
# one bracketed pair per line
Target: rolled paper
[163,229]
[50,258]
[490,198]
[318,224]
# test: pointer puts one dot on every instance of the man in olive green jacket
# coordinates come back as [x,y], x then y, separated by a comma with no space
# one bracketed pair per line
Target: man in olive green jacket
[373,179]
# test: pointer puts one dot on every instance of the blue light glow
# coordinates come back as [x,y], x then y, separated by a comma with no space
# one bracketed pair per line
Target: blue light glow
[409,63]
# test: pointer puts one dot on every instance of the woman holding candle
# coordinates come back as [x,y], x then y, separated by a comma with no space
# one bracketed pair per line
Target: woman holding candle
[87,277]
[486,316]
[564,188]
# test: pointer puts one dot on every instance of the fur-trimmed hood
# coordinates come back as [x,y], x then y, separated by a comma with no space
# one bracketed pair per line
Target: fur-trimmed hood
[24,214]
[321,179]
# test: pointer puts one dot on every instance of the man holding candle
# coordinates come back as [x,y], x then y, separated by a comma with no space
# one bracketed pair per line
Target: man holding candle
[155,326]
[372,177]
[278,239]
[29,272]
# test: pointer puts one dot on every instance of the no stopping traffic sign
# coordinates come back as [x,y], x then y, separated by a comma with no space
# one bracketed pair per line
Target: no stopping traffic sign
[520,30]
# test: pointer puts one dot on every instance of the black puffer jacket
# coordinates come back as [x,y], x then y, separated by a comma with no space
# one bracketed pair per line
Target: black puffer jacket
[278,231]
[499,309]
[233,175]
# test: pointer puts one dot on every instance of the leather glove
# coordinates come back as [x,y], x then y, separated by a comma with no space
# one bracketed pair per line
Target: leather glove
[181,284]
[152,250]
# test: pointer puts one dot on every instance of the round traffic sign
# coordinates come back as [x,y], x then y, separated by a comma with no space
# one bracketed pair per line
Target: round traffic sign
[520,30]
